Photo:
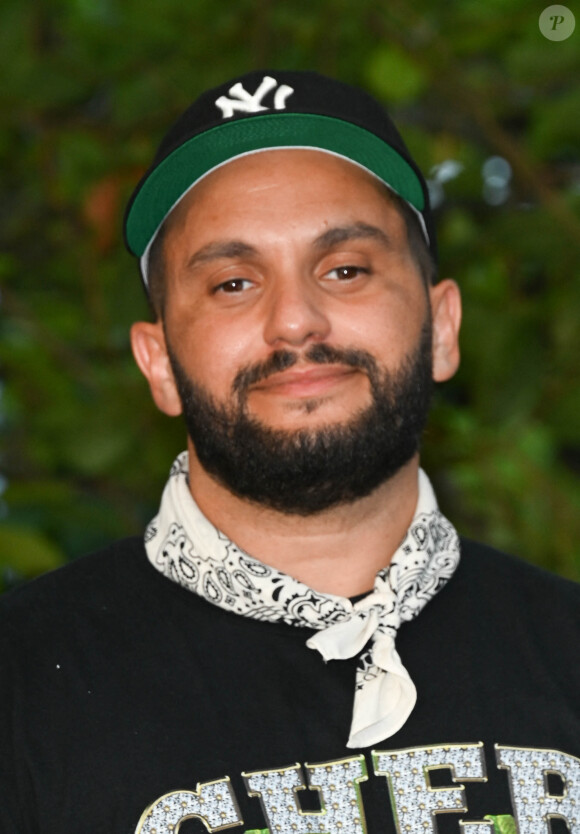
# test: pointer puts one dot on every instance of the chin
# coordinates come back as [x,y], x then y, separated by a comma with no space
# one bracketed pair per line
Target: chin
[306,413]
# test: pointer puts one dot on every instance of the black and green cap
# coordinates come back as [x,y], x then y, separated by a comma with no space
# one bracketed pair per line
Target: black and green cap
[270,109]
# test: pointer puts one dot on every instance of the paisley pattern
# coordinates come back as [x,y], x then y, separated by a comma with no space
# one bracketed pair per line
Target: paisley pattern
[184,546]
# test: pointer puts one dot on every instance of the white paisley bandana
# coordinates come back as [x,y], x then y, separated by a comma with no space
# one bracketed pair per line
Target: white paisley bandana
[184,546]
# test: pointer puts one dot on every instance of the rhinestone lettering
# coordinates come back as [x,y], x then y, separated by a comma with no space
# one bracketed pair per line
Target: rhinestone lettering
[337,783]
[213,803]
[415,803]
[533,804]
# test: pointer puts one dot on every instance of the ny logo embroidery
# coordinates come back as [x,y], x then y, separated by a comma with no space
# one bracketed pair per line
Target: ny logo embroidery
[244,102]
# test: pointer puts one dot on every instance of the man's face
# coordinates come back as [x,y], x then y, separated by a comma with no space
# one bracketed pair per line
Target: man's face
[295,319]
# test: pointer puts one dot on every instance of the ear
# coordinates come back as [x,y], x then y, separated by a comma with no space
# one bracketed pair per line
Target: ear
[150,352]
[446,313]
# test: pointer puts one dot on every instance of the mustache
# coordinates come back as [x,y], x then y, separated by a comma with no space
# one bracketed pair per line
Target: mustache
[320,354]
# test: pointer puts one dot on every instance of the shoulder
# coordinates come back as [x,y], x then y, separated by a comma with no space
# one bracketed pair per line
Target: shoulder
[88,584]
[90,569]
[514,592]
[493,568]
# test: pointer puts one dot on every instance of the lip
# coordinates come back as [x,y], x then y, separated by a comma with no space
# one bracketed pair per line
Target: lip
[305,382]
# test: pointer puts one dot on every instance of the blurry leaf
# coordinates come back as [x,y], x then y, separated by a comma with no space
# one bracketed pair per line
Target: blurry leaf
[394,76]
[31,552]
[101,209]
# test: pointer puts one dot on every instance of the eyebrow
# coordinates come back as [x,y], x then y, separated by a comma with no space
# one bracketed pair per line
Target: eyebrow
[221,249]
[332,237]
[354,231]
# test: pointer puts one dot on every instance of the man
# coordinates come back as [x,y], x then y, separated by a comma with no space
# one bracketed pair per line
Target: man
[302,643]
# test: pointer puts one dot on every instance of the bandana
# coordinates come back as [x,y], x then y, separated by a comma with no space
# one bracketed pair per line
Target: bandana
[185,547]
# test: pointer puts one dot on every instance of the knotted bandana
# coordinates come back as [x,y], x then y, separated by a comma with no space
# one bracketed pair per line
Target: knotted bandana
[184,546]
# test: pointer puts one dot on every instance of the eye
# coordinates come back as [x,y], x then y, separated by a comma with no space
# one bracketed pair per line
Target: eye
[234,285]
[346,273]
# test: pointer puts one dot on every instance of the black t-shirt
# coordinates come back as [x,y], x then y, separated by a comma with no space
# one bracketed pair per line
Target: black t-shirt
[122,693]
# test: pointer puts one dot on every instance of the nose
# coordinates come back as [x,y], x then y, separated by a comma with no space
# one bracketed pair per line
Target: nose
[295,314]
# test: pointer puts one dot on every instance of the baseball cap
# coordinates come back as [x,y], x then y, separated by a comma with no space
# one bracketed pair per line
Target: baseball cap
[268,109]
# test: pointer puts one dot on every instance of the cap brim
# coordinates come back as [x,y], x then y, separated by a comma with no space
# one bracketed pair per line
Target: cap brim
[179,171]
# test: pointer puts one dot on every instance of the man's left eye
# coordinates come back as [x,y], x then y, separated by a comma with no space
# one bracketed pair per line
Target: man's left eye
[345,273]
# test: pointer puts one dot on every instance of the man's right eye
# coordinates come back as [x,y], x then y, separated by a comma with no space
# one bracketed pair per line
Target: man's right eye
[233,285]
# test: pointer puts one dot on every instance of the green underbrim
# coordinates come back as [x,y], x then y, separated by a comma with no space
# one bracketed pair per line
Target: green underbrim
[199,155]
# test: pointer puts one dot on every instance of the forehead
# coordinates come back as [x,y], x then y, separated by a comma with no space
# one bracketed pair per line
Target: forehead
[265,185]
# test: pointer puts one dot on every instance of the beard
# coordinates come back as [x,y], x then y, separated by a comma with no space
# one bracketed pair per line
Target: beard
[308,470]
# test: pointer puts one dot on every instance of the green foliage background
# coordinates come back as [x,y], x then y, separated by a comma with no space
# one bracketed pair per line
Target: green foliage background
[89,88]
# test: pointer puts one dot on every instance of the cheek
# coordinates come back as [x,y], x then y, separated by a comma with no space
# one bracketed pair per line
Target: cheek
[386,329]
[213,352]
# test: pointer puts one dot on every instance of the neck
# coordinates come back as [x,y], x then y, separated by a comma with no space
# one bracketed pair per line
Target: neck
[338,551]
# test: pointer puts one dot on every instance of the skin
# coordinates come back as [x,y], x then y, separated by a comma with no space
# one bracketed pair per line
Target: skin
[281,250]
